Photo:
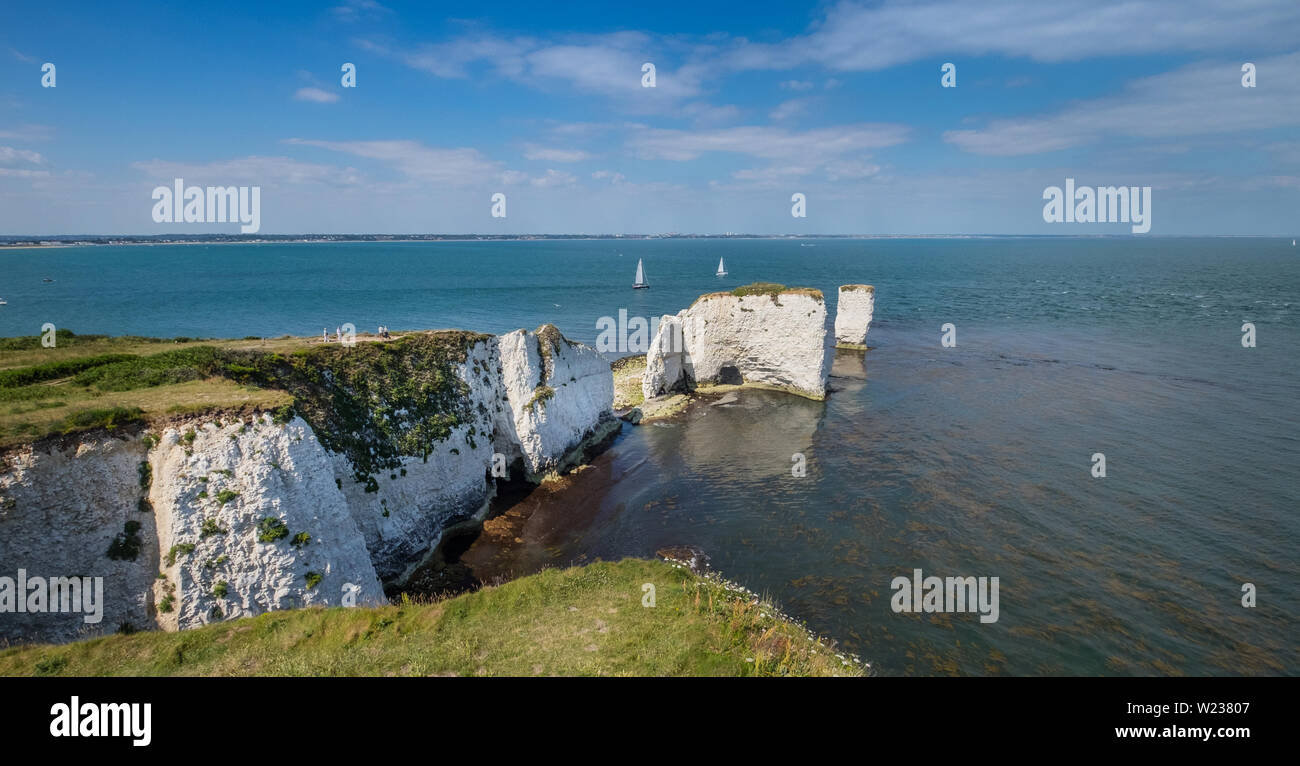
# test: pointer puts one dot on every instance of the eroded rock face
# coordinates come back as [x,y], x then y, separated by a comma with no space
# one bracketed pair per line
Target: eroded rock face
[402,515]
[853,315]
[241,517]
[559,394]
[61,507]
[782,341]
[250,520]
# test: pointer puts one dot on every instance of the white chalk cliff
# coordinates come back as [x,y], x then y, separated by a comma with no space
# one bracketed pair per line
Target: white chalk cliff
[237,516]
[853,315]
[782,340]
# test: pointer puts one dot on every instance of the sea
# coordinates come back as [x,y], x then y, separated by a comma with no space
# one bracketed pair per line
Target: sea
[970,460]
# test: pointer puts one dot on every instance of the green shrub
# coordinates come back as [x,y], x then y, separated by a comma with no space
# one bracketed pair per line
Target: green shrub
[313,579]
[179,549]
[270,529]
[109,418]
[126,546]
[211,527]
[220,589]
[25,376]
[300,539]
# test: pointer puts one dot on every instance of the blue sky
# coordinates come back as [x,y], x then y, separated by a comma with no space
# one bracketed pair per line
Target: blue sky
[754,102]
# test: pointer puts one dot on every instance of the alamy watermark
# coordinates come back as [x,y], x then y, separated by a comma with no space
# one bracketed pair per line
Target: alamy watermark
[940,594]
[38,595]
[102,719]
[213,204]
[634,334]
[1105,204]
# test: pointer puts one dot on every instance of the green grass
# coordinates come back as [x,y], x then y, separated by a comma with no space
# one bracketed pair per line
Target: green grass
[586,621]
[373,401]
[627,381]
[771,289]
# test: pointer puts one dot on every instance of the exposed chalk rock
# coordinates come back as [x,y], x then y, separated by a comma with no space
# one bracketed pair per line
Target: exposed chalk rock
[853,315]
[220,492]
[560,394]
[402,515]
[236,518]
[61,506]
[780,339]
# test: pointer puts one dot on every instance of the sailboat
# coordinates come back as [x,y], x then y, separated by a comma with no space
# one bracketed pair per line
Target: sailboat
[722,269]
[640,276]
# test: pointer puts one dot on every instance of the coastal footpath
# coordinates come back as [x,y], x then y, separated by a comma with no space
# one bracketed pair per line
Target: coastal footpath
[255,476]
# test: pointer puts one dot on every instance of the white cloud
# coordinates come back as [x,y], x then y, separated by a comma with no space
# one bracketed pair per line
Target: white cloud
[316,94]
[798,85]
[1200,99]
[458,167]
[253,169]
[553,178]
[353,10]
[10,155]
[607,65]
[787,109]
[549,154]
[858,37]
[23,173]
[27,133]
[771,143]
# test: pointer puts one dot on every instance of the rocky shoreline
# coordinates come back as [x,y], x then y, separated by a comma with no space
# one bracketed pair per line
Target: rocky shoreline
[189,519]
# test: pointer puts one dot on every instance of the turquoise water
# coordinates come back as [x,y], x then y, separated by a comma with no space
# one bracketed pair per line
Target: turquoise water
[971,461]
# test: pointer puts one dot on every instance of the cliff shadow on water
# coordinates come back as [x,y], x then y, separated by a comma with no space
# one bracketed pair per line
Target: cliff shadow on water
[661,486]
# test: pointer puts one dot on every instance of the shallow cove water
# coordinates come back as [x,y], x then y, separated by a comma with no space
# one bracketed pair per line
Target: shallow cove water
[972,461]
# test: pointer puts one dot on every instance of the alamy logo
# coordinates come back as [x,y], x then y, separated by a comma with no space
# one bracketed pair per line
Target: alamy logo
[54,594]
[103,719]
[1105,204]
[633,335]
[215,204]
[952,594]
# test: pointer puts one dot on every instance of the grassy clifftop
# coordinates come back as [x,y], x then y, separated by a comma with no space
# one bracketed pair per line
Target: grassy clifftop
[372,401]
[582,621]
[770,289]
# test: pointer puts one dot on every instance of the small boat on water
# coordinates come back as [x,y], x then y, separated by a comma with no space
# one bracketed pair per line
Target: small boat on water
[640,277]
[3,302]
[722,269]
[47,280]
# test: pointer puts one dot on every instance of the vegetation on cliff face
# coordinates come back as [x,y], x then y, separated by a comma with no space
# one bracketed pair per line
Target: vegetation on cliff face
[589,620]
[373,401]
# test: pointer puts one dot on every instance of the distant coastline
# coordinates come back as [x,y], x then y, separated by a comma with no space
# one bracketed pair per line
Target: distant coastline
[16,242]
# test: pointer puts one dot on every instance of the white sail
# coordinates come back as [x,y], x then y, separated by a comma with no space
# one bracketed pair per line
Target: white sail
[640,274]
[722,268]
